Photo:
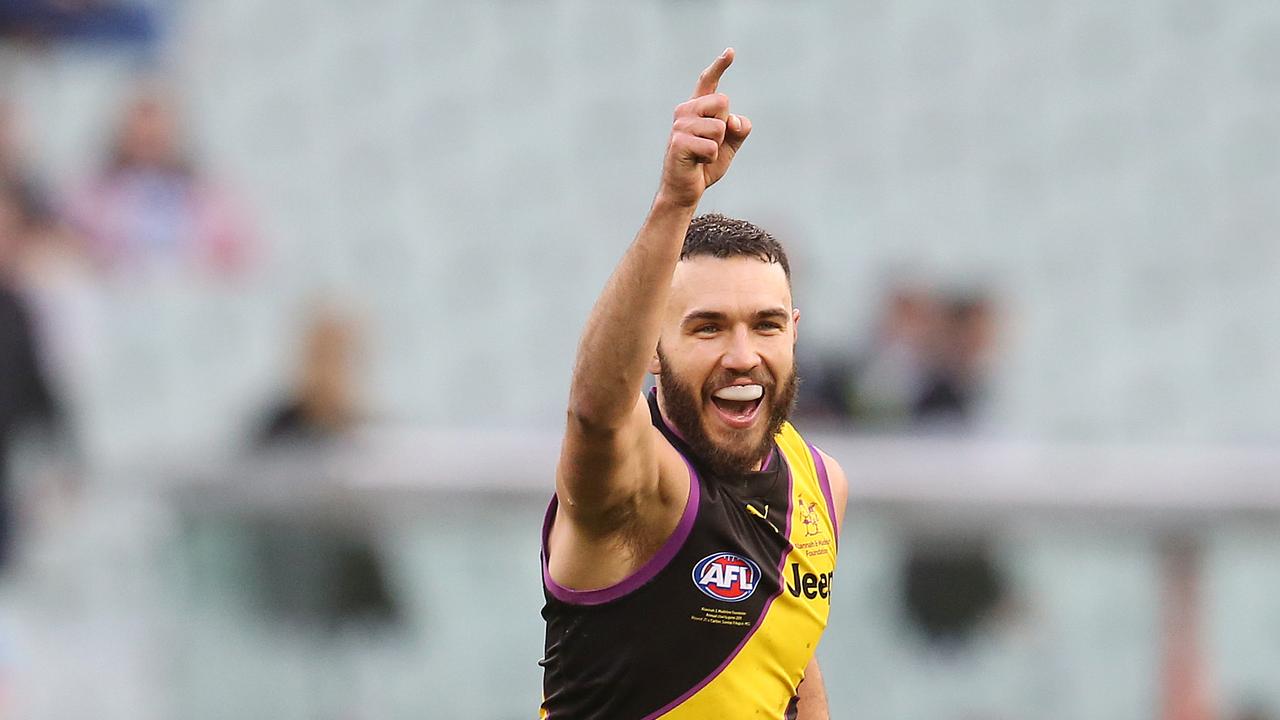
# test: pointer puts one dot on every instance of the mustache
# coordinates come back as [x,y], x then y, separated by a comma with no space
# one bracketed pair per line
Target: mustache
[759,376]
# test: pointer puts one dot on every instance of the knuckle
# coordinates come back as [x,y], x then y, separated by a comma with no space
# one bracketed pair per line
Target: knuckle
[713,105]
[712,133]
[687,147]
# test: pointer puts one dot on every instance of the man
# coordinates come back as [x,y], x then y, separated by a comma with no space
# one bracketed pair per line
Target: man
[24,397]
[688,555]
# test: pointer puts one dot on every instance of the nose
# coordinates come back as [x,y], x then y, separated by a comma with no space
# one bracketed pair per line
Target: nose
[740,356]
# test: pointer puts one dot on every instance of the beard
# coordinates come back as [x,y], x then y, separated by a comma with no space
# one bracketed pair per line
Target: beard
[684,408]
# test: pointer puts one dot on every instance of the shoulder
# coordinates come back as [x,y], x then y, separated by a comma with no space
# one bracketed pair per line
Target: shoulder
[839,484]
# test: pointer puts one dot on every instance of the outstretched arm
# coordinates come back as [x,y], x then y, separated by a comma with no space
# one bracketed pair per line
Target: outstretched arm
[608,456]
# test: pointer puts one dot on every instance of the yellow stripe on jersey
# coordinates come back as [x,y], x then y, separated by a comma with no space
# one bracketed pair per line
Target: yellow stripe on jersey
[768,668]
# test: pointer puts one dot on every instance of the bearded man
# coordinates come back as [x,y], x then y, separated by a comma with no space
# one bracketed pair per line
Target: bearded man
[689,552]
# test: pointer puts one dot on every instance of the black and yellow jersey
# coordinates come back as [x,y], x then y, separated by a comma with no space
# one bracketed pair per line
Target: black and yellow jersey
[723,620]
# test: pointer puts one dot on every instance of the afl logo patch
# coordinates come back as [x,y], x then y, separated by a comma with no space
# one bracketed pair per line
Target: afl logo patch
[726,576]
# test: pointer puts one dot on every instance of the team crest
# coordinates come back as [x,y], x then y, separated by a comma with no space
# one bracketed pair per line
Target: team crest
[726,576]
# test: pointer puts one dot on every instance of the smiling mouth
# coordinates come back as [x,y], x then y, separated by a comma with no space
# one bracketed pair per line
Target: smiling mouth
[736,406]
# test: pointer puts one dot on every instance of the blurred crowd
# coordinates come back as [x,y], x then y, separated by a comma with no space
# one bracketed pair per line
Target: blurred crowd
[150,206]
[148,210]
[151,212]
[925,365]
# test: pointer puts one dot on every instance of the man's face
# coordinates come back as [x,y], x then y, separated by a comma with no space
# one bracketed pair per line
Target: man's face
[726,358]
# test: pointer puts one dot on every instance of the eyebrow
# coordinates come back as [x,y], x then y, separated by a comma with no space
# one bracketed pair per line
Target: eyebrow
[773,313]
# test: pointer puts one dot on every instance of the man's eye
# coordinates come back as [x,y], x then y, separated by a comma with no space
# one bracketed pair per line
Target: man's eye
[706,329]
[769,326]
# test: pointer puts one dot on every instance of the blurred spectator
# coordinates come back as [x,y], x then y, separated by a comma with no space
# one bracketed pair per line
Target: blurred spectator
[24,393]
[925,367]
[43,260]
[877,387]
[1186,693]
[77,20]
[310,571]
[22,187]
[323,404]
[893,374]
[38,248]
[950,586]
[153,207]
[963,350]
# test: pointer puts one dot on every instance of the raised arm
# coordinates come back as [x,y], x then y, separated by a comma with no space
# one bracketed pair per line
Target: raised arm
[608,457]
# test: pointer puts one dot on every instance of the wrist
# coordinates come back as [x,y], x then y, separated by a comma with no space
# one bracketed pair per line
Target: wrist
[671,205]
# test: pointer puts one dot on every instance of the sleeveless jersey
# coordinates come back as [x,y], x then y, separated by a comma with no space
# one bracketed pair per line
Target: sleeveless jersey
[722,621]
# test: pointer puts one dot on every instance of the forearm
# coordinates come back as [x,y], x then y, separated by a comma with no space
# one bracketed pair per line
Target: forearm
[813,695]
[622,330]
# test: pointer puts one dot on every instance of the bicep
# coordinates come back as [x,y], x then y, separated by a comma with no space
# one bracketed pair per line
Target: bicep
[601,470]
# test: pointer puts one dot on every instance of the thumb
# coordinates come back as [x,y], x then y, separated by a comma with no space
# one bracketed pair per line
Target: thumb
[739,127]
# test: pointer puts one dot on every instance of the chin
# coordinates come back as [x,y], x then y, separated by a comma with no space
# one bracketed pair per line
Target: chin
[726,433]
[739,440]
[742,444]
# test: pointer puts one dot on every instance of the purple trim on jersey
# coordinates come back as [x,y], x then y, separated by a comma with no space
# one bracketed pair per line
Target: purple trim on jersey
[825,483]
[764,612]
[646,573]
[767,459]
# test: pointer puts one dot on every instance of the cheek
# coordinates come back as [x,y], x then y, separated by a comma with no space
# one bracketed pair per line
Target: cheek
[780,357]
[693,362]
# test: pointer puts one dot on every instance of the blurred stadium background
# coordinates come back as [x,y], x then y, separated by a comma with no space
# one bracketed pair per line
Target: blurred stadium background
[304,283]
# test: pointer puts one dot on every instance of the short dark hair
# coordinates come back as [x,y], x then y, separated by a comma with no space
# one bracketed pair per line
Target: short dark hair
[720,236]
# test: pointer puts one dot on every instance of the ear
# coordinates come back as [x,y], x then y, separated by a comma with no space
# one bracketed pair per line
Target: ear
[655,366]
[795,324]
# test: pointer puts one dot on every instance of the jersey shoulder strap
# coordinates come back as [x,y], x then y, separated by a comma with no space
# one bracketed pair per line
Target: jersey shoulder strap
[808,469]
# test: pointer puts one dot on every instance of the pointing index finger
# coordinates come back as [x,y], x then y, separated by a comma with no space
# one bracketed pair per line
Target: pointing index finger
[709,80]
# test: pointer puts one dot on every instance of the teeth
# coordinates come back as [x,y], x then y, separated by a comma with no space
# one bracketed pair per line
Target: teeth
[740,393]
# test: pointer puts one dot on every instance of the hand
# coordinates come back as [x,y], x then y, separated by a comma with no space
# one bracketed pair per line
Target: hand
[705,136]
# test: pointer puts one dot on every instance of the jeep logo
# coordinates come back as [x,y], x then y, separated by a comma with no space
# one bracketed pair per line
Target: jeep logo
[809,585]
